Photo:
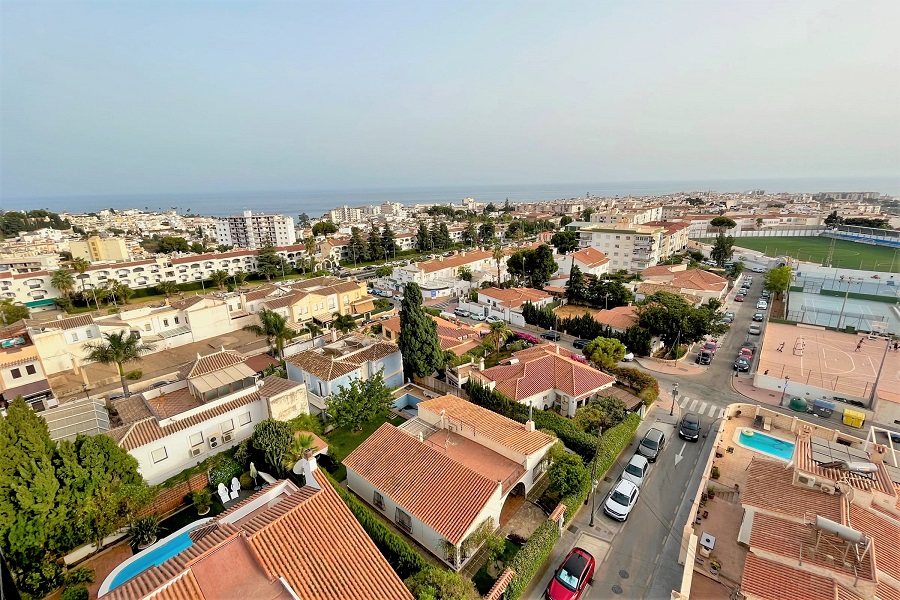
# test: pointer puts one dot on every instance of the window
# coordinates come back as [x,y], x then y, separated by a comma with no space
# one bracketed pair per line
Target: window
[16,373]
[379,500]
[227,425]
[176,320]
[30,369]
[165,322]
[403,520]
[146,326]
[196,439]
[159,455]
[244,419]
[89,334]
[74,336]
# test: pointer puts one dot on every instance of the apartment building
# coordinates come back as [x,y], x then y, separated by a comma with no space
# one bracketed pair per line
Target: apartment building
[628,247]
[447,267]
[250,230]
[21,371]
[98,249]
[317,299]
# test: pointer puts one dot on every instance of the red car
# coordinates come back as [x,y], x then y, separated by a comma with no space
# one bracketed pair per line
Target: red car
[739,298]
[747,353]
[572,577]
[710,347]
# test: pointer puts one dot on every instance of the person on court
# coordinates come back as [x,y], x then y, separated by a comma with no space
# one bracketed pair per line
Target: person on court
[781,347]
[858,346]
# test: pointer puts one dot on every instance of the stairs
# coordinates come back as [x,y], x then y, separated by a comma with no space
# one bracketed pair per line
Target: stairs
[730,497]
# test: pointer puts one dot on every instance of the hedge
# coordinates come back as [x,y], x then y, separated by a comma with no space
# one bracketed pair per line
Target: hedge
[859,296]
[646,386]
[530,557]
[405,561]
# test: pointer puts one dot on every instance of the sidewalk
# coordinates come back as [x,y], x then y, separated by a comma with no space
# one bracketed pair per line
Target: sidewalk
[681,368]
[744,386]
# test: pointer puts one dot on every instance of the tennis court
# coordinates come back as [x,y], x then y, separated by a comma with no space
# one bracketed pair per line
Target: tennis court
[833,311]
[827,359]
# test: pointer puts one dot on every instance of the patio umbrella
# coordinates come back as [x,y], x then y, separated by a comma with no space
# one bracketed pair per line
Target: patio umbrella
[253,473]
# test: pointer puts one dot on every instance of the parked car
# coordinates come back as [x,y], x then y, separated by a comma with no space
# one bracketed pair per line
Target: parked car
[493,319]
[758,270]
[385,317]
[746,352]
[730,316]
[741,364]
[758,317]
[476,317]
[710,346]
[762,305]
[704,358]
[754,330]
[652,444]
[581,343]
[629,356]
[572,577]
[553,336]
[690,427]
[621,500]
[159,384]
[461,312]
[895,437]
[739,298]
[765,294]
[636,470]
[115,396]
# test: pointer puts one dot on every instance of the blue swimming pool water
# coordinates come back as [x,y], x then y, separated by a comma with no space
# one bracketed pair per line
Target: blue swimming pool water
[768,444]
[147,559]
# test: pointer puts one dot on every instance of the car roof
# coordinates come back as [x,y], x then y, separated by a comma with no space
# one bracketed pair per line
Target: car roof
[625,486]
[639,459]
[654,434]
[691,418]
[576,562]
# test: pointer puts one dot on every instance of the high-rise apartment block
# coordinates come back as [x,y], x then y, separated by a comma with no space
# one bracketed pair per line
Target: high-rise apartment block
[97,249]
[251,231]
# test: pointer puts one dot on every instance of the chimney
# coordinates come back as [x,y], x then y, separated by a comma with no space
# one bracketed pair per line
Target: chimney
[309,466]
[529,424]
[557,348]
[421,437]
[481,364]
[443,418]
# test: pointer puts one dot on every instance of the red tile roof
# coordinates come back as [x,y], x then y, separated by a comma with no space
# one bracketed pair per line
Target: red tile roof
[769,487]
[329,366]
[620,317]
[506,432]
[212,362]
[776,581]
[590,256]
[455,261]
[540,369]
[515,297]
[886,535]
[439,491]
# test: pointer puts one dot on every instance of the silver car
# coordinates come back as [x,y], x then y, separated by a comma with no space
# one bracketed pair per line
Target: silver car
[636,470]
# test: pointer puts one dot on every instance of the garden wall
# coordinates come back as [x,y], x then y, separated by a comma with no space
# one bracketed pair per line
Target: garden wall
[171,498]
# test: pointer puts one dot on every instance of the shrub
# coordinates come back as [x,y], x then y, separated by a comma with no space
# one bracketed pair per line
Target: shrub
[405,561]
[246,480]
[531,557]
[78,592]
[134,375]
[202,499]
[42,578]
[242,454]
[80,575]
[225,471]
[143,531]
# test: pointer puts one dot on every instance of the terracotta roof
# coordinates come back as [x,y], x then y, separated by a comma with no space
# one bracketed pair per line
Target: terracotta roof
[260,292]
[211,362]
[281,302]
[620,317]
[439,491]
[540,369]
[776,581]
[698,279]
[148,430]
[648,288]
[662,270]
[131,409]
[506,432]
[884,591]
[590,256]
[886,535]
[274,385]
[187,302]
[881,482]
[330,366]
[260,362]
[515,297]
[71,322]
[455,261]
[769,487]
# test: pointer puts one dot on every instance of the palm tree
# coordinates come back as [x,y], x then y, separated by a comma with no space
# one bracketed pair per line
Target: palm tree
[118,348]
[310,245]
[219,277]
[167,287]
[498,255]
[273,327]
[301,443]
[239,278]
[63,281]
[499,333]
[343,323]
[313,330]
[122,292]
[81,265]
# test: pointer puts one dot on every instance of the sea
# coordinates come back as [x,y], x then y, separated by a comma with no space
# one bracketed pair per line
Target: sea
[316,202]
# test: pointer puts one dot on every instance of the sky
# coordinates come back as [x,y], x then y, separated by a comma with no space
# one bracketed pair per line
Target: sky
[156,97]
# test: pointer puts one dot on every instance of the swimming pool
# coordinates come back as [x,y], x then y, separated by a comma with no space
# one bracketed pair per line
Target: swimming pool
[765,444]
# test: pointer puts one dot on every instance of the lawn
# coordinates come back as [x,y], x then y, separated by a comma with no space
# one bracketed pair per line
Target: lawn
[342,441]
[482,580]
[847,255]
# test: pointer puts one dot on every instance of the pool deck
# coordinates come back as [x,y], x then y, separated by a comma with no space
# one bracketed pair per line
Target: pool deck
[736,438]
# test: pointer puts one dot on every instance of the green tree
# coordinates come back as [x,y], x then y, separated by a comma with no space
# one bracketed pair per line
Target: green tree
[418,338]
[542,266]
[219,277]
[777,280]
[568,474]
[170,244]
[723,223]
[606,352]
[602,414]
[167,287]
[586,214]
[63,281]
[440,584]
[833,220]
[487,231]
[497,254]
[343,323]
[10,312]
[274,439]
[464,273]
[387,241]
[274,328]
[374,251]
[470,234]
[80,265]
[673,320]
[565,241]
[197,248]
[423,238]
[303,220]
[312,329]
[565,221]
[575,287]
[444,236]
[736,269]
[383,271]
[360,402]
[239,278]
[121,292]
[500,332]
[118,348]
[357,247]
[722,250]
[268,262]
[324,228]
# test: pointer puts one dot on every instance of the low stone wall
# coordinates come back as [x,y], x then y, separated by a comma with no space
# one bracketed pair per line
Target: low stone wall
[171,498]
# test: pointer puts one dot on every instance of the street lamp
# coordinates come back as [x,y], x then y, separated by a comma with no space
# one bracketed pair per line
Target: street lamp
[674,396]
[84,388]
[784,391]
[594,481]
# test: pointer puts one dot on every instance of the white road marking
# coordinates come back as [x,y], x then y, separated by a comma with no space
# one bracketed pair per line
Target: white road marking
[722,413]
[685,401]
[712,409]
[679,456]
[693,404]
[702,408]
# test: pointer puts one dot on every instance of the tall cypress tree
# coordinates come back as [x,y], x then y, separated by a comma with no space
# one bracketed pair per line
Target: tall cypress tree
[418,341]
[374,250]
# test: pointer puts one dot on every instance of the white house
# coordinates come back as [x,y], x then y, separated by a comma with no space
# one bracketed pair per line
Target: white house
[444,477]
[507,304]
[589,260]
[215,406]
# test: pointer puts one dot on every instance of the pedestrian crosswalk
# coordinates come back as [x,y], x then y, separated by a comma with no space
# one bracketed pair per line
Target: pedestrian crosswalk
[701,408]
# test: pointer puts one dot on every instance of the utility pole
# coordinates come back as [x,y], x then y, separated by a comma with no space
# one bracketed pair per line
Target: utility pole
[873,400]
[594,481]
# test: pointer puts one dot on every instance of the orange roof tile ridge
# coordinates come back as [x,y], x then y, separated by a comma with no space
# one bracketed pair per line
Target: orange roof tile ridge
[281,510]
[131,428]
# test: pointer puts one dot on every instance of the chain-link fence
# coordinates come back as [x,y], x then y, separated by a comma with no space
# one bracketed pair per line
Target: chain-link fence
[842,384]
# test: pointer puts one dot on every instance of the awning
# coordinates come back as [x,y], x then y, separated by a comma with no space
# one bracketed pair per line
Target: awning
[39,303]
[222,377]
[361,307]
[174,332]
[28,391]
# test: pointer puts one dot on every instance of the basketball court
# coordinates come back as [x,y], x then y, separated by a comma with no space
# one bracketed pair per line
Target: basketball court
[830,360]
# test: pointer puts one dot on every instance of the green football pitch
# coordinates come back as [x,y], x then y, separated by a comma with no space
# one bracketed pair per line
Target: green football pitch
[847,255]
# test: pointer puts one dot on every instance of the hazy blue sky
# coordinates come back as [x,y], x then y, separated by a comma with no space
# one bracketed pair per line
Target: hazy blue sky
[122,97]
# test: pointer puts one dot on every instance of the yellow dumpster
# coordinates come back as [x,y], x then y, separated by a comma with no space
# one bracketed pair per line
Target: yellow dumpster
[854,418]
